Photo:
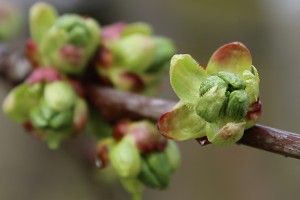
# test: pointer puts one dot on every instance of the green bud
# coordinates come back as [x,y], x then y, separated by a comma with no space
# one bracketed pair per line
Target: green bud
[61,119]
[164,50]
[134,52]
[137,28]
[21,100]
[237,105]
[173,154]
[69,43]
[211,104]
[59,95]
[37,119]
[156,170]
[43,117]
[233,80]
[42,17]
[147,177]
[228,100]
[125,159]
[211,82]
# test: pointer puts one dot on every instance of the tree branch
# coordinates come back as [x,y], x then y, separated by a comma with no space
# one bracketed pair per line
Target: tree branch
[114,105]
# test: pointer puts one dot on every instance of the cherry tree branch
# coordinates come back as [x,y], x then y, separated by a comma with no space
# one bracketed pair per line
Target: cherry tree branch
[114,105]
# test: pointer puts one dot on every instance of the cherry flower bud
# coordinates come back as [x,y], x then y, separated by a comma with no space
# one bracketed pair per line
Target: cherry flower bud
[135,52]
[125,159]
[156,170]
[66,42]
[228,102]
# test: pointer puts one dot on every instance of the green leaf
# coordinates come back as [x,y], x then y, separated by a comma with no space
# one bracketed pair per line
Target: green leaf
[185,77]
[226,134]
[233,57]
[42,17]
[252,84]
[182,123]
[21,100]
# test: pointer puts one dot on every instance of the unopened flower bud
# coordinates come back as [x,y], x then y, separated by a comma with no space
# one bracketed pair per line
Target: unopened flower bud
[237,106]
[211,103]
[59,95]
[173,154]
[156,170]
[228,102]
[146,137]
[125,159]
[137,28]
[134,52]
[211,82]
[67,42]
[164,50]
[233,80]
[103,149]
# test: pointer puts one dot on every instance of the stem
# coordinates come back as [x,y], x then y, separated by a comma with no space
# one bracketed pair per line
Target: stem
[115,105]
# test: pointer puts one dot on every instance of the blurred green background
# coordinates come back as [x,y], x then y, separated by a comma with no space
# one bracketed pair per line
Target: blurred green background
[269,28]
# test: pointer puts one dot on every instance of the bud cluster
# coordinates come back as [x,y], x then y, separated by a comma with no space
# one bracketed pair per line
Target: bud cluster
[131,58]
[138,152]
[219,101]
[67,42]
[49,105]
[225,98]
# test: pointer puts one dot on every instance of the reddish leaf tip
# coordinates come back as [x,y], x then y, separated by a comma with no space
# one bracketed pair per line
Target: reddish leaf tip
[163,125]
[229,50]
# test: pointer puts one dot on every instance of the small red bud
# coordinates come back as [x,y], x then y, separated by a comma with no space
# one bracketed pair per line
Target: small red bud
[120,129]
[44,74]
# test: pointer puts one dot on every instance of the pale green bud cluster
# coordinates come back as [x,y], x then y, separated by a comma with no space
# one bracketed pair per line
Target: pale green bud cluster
[67,42]
[223,98]
[52,109]
[141,155]
[153,170]
[219,101]
[138,59]
[156,168]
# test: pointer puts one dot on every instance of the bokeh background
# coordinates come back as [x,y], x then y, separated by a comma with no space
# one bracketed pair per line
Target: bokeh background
[269,28]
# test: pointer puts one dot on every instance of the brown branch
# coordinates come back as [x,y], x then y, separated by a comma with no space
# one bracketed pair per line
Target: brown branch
[14,66]
[115,105]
